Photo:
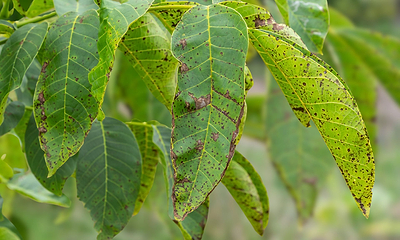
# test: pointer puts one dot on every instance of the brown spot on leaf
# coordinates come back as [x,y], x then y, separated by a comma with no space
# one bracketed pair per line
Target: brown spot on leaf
[41,98]
[202,101]
[42,130]
[215,136]
[277,27]
[259,22]
[199,146]
[45,64]
[184,68]
[183,43]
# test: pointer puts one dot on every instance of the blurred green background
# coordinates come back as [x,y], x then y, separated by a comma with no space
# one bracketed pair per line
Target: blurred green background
[336,215]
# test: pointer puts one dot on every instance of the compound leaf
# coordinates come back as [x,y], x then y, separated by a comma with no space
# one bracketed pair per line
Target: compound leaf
[108,175]
[209,102]
[16,56]
[64,107]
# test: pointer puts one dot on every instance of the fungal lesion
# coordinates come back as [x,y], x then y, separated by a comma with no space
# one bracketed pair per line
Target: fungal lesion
[202,101]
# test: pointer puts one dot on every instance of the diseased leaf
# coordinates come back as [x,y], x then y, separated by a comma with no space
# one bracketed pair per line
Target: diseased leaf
[16,56]
[27,185]
[35,158]
[37,7]
[309,18]
[147,45]
[246,187]
[64,106]
[79,6]
[149,151]
[108,175]
[12,115]
[209,102]
[192,227]
[298,154]
[4,222]
[27,90]
[115,20]
[322,95]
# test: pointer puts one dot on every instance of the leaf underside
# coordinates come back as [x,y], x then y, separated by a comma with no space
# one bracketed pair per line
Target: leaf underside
[209,102]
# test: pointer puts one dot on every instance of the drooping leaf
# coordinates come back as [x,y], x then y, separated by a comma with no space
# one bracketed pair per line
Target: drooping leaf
[16,56]
[170,13]
[298,154]
[108,175]
[27,185]
[35,158]
[64,106]
[246,187]
[12,115]
[37,7]
[309,18]
[192,227]
[209,102]
[115,21]
[324,97]
[147,45]
[6,28]
[78,6]
[144,136]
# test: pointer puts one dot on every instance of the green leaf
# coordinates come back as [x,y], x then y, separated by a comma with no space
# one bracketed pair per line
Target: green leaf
[5,223]
[35,157]
[298,154]
[309,18]
[6,172]
[149,151]
[37,7]
[147,45]
[27,185]
[192,227]
[209,102]
[63,102]
[16,56]
[255,126]
[12,115]
[27,90]
[246,187]
[115,21]
[6,233]
[323,97]
[6,28]
[108,175]
[78,6]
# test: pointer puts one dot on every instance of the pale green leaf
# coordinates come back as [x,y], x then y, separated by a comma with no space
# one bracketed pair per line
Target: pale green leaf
[4,222]
[79,6]
[16,56]
[27,185]
[115,21]
[37,7]
[6,28]
[246,187]
[309,18]
[6,172]
[147,45]
[7,234]
[35,158]
[64,107]
[209,102]
[108,175]
[12,115]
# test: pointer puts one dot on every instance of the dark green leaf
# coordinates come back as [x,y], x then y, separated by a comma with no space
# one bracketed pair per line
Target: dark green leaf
[116,18]
[209,103]
[192,227]
[27,90]
[37,7]
[16,56]
[108,175]
[246,187]
[79,6]
[309,18]
[12,115]
[63,101]
[35,157]
[20,129]
[147,45]
[27,185]
[4,222]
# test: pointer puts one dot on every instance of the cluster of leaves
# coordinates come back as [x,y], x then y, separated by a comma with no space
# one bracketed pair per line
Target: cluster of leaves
[192,58]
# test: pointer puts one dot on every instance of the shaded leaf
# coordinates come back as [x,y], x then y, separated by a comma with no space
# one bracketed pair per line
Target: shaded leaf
[64,107]
[35,158]
[4,222]
[246,187]
[6,233]
[192,227]
[20,129]
[309,18]
[149,151]
[27,185]
[255,126]
[16,56]
[78,6]
[108,175]
[115,20]
[37,7]
[12,115]
[147,45]
[299,154]
[209,103]
[27,90]
[6,28]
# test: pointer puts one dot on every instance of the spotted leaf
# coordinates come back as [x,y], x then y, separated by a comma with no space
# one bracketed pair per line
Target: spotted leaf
[209,101]
[35,8]
[64,106]
[79,6]
[147,45]
[108,175]
[16,56]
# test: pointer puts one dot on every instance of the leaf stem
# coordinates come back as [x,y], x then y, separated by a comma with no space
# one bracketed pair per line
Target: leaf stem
[35,19]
